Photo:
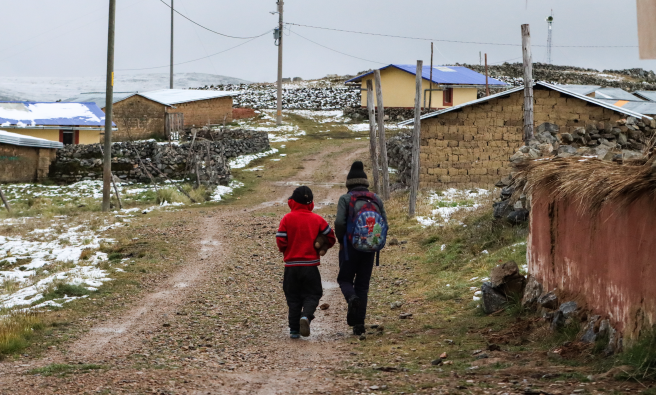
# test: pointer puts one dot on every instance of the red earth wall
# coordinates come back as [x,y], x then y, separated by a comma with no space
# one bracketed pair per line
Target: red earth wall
[241,113]
[607,261]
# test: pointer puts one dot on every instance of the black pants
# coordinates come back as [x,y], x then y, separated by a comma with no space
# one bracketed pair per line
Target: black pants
[354,276]
[303,290]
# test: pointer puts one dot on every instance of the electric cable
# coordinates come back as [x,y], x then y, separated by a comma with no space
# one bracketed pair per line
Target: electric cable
[193,60]
[334,50]
[210,30]
[455,41]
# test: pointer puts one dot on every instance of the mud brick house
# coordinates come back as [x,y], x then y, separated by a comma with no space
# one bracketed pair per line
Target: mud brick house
[452,85]
[158,113]
[66,123]
[25,158]
[470,145]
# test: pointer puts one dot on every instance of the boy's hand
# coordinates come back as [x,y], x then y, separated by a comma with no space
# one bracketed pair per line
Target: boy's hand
[320,244]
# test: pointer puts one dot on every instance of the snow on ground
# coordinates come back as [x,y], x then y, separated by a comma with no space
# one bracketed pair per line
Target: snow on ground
[243,161]
[223,190]
[335,116]
[446,203]
[364,127]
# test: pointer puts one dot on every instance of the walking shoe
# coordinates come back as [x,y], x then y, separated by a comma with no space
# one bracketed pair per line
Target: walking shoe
[305,327]
[359,329]
[352,314]
[294,334]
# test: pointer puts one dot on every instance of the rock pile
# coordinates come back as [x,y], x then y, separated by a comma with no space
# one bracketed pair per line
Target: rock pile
[505,284]
[622,140]
[399,156]
[236,142]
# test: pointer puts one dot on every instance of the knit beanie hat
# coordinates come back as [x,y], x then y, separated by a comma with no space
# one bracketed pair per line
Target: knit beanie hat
[302,195]
[357,176]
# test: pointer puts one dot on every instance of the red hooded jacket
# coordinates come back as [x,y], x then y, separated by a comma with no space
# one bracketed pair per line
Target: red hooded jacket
[297,232]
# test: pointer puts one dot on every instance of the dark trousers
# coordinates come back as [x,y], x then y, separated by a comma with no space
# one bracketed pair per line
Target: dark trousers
[303,290]
[354,276]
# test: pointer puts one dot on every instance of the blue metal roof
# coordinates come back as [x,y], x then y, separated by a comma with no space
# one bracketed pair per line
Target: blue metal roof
[31,114]
[448,75]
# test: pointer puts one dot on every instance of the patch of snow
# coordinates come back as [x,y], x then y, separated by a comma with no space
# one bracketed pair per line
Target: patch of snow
[243,161]
[223,190]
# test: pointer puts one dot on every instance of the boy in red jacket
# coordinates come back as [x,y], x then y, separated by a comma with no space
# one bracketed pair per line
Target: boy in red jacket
[302,282]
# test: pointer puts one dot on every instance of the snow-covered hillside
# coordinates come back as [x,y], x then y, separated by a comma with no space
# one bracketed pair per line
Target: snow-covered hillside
[53,89]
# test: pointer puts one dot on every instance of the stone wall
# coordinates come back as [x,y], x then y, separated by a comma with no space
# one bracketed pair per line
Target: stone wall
[395,114]
[236,142]
[24,164]
[138,118]
[399,156]
[132,161]
[472,147]
[203,112]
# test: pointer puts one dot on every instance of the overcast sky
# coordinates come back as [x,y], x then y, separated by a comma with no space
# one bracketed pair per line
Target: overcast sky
[49,38]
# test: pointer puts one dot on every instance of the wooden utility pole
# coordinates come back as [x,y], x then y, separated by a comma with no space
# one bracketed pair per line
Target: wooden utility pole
[430,92]
[382,144]
[373,149]
[487,85]
[109,100]
[280,30]
[5,201]
[172,15]
[528,83]
[416,140]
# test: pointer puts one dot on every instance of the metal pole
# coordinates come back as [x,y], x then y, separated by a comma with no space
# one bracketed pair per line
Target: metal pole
[172,14]
[487,85]
[280,27]
[109,100]
[528,83]
[416,141]
[430,94]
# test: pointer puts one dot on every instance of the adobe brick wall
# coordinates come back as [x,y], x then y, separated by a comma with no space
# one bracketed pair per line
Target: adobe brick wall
[241,113]
[472,147]
[24,164]
[138,118]
[202,112]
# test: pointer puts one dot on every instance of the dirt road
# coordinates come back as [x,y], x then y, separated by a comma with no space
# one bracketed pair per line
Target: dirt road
[217,325]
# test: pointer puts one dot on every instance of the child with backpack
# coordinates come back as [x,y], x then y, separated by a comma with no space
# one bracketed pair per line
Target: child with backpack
[361,229]
[296,237]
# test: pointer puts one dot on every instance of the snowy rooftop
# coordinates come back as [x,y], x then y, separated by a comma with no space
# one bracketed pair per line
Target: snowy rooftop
[27,141]
[170,97]
[456,75]
[30,114]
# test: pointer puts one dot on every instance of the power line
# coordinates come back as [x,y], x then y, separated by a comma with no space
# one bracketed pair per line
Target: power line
[334,50]
[194,60]
[207,28]
[456,41]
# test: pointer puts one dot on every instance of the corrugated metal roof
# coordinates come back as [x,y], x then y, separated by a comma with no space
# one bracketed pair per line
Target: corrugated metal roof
[615,93]
[171,97]
[448,75]
[558,88]
[27,141]
[97,97]
[647,95]
[26,114]
[642,107]
[581,89]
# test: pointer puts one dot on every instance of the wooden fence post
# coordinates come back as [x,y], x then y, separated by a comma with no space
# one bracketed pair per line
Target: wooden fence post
[382,143]
[416,141]
[373,150]
[528,83]
[5,201]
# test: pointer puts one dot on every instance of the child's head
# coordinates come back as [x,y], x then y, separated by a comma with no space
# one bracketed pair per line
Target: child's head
[302,195]
[357,176]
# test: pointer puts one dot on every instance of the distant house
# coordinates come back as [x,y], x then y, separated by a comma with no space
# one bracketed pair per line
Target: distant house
[470,145]
[452,85]
[25,158]
[146,115]
[67,123]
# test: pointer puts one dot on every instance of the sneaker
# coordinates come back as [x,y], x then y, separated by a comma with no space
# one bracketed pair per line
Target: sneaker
[305,327]
[352,314]
[359,330]
[294,334]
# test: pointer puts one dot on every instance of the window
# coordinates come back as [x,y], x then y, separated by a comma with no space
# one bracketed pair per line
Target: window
[448,97]
[69,137]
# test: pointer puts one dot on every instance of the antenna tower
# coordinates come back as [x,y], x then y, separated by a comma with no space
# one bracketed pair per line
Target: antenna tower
[550,24]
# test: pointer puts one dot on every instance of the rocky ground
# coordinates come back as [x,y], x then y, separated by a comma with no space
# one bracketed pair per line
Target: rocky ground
[200,309]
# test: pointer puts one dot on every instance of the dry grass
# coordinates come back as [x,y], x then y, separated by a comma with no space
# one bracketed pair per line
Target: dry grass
[589,183]
[16,329]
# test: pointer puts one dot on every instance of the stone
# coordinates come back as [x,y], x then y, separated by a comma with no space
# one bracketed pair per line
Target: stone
[545,149]
[396,305]
[443,355]
[324,306]
[589,333]
[567,149]
[405,316]
[492,300]
[482,356]
[393,242]
[501,273]
[437,362]
[501,209]
[591,128]
[507,192]
[518,216]
[548,127]
[631,120]
[533,153]
[548,301]
[519,157]
[504,182]
[567,138]
[568,309]
[532,291]
[546,138]
[518,205]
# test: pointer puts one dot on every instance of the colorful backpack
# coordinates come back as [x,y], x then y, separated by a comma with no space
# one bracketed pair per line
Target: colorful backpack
[366,229]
